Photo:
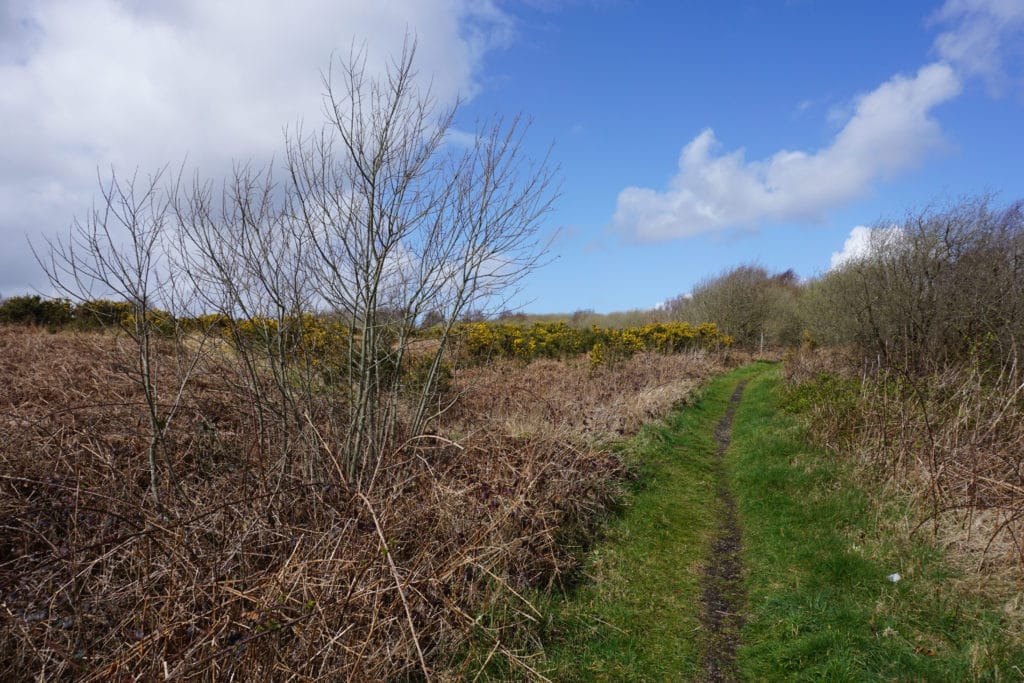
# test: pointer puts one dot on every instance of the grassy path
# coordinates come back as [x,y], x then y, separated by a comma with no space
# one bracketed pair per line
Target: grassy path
[818,551]
[815,601]
[639,618]
[722,599]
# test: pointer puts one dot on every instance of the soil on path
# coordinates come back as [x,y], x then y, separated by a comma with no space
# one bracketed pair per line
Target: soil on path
[722,595]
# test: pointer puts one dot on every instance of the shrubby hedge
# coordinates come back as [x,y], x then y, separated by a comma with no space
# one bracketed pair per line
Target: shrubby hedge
[327,342]
[35,310]
[94,314]
[485,340]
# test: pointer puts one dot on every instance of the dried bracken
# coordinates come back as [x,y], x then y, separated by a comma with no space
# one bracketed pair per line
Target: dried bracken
[240,573]
[573,398]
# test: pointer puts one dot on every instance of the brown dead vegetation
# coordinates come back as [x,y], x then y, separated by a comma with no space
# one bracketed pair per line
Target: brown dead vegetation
[572,398]
[952,441]
[244,574]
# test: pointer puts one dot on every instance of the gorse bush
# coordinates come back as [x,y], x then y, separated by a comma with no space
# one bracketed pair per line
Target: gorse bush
[91,314]
[218,323]
[320,345]
[35,310]
[100,313]
[328,346]
[486,340]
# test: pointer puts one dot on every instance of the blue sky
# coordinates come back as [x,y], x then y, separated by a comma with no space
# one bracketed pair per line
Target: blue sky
[622,87]
[801,119]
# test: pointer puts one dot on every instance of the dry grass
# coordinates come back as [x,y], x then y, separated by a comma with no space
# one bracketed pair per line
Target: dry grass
[953,442]
[248,576]
[571,398]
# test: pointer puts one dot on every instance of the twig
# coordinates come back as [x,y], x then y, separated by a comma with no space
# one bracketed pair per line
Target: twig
[398,585]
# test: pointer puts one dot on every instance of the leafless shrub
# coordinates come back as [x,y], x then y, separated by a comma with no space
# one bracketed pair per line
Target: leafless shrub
[930,317]
[940,287]
[121,249]
[756,308]
[248,576]
[377,224]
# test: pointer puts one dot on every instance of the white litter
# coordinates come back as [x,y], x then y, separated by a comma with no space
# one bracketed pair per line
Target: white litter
[894,578]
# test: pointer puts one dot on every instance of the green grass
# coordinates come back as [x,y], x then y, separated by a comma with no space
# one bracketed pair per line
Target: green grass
[637,616]
[817,551]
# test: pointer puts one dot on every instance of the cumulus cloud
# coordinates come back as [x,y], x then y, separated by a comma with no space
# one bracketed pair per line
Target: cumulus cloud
[883,133]
[860,242]
[982,34]
[891,129]
[87,84]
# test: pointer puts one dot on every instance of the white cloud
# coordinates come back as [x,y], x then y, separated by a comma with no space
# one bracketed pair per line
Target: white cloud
[861,242]
[134,83]
[883,133]
[457,137]
[890,130]
[982,35]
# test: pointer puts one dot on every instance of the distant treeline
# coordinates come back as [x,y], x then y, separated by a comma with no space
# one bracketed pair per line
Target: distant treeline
[938,287]
[514,337]
[97,314]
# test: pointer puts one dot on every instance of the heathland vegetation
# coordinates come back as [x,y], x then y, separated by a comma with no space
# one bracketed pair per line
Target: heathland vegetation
[917,370]
[881,528]
[181,495]
[268,433]
[281,427]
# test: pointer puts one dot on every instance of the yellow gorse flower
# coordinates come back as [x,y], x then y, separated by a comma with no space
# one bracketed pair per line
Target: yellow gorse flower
[483,340]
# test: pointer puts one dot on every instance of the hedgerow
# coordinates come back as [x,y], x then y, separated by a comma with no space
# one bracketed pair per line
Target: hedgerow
[489,340]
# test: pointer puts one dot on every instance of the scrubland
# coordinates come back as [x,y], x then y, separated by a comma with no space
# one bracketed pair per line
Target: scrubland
[243,572]
[948,443]
[911,369]
[368,496]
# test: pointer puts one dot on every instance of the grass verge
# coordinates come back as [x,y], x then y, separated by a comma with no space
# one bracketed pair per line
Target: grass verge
[818,551]
[637,615]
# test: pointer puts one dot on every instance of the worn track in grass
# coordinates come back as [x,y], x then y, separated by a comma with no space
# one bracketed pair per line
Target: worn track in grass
[641,616]
[670,600]
[722,594]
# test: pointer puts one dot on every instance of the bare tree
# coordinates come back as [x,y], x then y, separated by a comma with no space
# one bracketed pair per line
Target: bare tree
[399,221]
[756,308]
[249,265]
[325,275]
[120,249]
